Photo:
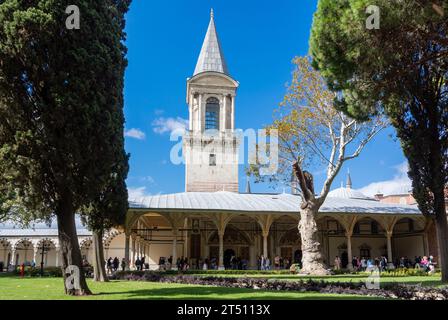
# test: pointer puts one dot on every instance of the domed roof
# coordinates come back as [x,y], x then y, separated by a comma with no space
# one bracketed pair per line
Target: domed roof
[348,193]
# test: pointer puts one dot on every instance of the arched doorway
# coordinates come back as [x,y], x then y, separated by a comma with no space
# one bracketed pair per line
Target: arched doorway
[5,253]
[291,246]
[408,242]
[228,255]
[46,253]
[236,243]
[368,239]
[24,252]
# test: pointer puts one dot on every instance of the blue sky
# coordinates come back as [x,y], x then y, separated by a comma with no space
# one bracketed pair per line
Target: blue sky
[259,40]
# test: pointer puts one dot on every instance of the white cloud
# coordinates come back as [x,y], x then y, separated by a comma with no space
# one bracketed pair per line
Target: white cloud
[164,125]
[135,133]
[148,179]
[137,194]
[399,184]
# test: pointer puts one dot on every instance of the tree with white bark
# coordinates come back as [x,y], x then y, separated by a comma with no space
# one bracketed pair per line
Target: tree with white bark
[310,132]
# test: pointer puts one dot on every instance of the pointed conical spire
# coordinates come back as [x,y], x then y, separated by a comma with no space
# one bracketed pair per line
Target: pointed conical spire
[349,180]
[211,57]
[248,186]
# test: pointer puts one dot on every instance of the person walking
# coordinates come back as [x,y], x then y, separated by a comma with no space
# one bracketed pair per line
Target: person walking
[143,264]
[109,265]
[277,262]
[116,264]
[123,264]
[337,263]
[268,264]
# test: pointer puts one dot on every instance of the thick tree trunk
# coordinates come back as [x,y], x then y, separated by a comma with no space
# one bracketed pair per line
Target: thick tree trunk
[312,260]
[99,269]
[442,234]
[74,282]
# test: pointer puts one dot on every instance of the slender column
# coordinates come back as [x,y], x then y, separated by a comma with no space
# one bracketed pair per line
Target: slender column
[174,265]
[139,248]
[389,250]
[224,114]
[13,257]
[271,248]
[221,250]
[233,113]
[126,250]
[58,251]
[252,258]
[35,252]
[349,251]
[185,237]
[133,252]
[207,251]
[201,113]
[190,109]
[265,244]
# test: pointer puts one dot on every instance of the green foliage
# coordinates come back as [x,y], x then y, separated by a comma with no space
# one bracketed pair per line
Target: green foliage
[61,117]
[52,272]
[400,69]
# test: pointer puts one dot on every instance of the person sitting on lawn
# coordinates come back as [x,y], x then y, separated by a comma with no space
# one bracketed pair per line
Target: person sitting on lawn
[424,263]
[431,265]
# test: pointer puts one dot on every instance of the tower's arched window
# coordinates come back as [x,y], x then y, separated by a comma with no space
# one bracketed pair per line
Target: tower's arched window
[212,114]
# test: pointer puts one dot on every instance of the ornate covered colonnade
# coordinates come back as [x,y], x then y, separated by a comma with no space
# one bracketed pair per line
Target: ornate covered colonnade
[221,224]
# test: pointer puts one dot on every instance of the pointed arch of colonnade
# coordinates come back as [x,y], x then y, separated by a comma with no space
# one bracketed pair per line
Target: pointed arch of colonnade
[264,220]
[348,221]
[387,222]
[177,221]
[28,250]
[137,246]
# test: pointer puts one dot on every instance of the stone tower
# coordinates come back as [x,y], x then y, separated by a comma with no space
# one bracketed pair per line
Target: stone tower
[210,145]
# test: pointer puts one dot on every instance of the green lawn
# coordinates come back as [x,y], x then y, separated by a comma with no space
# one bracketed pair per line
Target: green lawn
[13,288]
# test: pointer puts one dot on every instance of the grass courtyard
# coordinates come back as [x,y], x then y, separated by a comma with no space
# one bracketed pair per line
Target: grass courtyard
[16,288]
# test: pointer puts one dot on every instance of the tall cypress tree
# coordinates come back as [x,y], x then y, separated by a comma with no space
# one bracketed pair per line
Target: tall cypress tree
[60,108]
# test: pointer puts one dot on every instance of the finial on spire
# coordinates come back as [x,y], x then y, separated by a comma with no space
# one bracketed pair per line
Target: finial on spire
[212,13]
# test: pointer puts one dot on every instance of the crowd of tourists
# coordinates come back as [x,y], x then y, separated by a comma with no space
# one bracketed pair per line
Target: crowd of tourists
[382,264]
[113,265]
[264,263]
[182,263]
[425,263]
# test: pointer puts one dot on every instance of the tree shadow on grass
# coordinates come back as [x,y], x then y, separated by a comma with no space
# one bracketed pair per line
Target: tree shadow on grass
[426,283]
[219,293]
